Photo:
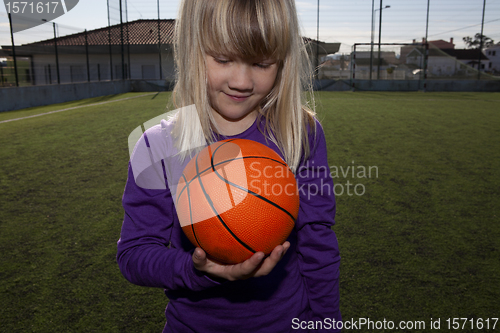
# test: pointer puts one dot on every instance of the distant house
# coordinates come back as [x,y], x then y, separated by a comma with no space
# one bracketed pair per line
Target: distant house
[438,62]
[471,57]
[363,60]
[341,63]
[440,44]
[388,56]
[139,59]
[335,68]
[447,62]
[493,54]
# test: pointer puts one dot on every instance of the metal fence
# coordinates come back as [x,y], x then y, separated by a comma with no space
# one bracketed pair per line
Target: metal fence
[379,40]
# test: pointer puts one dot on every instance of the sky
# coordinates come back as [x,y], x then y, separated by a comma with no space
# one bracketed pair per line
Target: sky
[346,22]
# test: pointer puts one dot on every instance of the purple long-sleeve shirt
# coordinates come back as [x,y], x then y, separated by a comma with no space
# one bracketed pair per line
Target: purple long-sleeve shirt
[301,292]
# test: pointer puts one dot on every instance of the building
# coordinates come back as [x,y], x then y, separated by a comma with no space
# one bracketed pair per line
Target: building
[438,63]
[440,44]
[470,57]
[138,50]
[363,61]
[444,60]
[98,55]
[493,54]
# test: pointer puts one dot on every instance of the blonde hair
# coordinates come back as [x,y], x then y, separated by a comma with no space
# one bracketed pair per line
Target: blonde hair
[246,28]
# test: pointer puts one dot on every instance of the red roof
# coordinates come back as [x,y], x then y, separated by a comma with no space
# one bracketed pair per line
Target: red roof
[140,32]
[442,44]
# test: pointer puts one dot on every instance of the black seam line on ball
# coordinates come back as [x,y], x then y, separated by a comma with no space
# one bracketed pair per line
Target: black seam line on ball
[250,191]
[221,220]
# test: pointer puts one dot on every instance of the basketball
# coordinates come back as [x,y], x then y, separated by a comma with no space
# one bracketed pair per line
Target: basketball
[237,197]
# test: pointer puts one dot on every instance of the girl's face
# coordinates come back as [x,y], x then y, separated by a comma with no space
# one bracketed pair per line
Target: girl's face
[236,87]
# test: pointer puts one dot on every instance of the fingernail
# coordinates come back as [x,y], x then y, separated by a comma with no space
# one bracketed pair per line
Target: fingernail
[260,256]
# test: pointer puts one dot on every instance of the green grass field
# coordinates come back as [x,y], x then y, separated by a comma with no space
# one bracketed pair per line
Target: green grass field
[421,242]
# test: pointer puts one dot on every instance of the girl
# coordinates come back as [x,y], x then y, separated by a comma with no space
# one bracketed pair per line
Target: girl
[243,64]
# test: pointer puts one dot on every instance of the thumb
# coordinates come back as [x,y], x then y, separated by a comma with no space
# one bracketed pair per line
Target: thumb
[199,258]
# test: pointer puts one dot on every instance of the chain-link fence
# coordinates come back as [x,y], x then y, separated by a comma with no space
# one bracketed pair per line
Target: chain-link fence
[359,39]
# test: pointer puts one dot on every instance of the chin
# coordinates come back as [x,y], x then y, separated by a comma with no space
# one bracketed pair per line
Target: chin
[235,113]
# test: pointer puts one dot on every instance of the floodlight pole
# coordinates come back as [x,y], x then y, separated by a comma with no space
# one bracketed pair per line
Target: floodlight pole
[427,21]
[379,37]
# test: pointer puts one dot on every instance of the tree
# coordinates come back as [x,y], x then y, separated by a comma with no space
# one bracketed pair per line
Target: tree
[476,42]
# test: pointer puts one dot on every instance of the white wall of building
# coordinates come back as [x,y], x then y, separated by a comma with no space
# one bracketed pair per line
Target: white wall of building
[493,54]
[73,67]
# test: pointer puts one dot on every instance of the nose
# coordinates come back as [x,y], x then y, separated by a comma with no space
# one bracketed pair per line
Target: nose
[241,77]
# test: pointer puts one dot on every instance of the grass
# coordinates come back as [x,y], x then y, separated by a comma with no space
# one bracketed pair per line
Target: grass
[420,243]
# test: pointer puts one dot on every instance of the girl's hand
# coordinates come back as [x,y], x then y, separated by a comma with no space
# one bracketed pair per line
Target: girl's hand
[255,266]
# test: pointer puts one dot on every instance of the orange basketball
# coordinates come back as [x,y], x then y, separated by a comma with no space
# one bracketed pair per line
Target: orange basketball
[237,197]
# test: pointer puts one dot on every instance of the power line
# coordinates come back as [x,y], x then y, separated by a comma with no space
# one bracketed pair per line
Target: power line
[470,26]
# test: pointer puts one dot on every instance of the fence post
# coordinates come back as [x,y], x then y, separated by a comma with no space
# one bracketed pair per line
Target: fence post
[128,42]
[87,54]
[13,51]
[121,39]
[57,55]
[379,40]
[481,44]
[316,70]
[159,39]
[372,38]
[33,79]
[353,67]
[110,49]
[1,73]
[426,57]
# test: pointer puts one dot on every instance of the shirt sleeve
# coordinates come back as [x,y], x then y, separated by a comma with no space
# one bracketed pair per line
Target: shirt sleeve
[317,246]
[145,254]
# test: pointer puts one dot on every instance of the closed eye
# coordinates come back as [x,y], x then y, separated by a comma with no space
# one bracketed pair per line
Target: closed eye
[222,61]
[263,65]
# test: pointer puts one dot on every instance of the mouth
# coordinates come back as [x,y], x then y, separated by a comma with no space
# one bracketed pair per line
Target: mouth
[238,98]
